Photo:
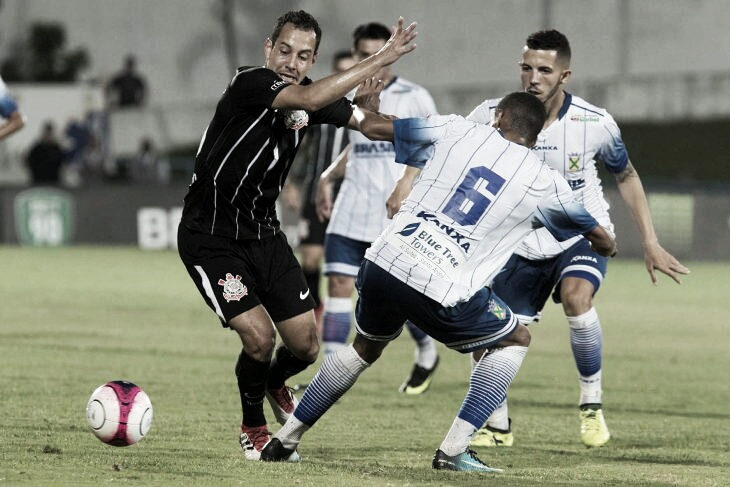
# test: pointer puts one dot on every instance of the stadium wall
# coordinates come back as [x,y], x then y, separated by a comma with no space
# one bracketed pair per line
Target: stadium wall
[693,223]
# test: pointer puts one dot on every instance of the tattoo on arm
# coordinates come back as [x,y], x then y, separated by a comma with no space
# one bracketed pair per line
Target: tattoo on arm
[626,173]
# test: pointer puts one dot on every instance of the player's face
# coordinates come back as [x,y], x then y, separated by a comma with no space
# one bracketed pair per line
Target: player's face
[344,64]
[366,48]
[292,55]
[543,74]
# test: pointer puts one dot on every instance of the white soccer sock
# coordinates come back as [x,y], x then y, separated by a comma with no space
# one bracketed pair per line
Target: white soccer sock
[337,374]
[458,438]
[586,340]
[500,417]
[426,353]
[291,433]
[488,386]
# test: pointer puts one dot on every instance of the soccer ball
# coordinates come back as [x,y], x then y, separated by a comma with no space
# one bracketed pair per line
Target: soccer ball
[119,413]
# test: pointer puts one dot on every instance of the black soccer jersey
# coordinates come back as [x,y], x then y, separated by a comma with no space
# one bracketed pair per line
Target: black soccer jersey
[244,157]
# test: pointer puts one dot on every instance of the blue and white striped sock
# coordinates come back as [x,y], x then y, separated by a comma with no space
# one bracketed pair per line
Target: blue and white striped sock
[336,324]
[586,340]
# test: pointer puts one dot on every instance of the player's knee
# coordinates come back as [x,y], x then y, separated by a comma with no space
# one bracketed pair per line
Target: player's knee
[340,286]
[576,299]
[305,347]
[521,337]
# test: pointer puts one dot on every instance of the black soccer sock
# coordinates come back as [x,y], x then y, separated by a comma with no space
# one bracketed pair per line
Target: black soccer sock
[283,366]
[313,278]
[251,377]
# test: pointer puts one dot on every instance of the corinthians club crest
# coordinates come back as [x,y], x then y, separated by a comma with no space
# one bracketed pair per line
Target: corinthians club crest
[233,289]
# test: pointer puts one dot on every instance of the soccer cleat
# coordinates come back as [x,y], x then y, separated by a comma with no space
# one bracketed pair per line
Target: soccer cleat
[491,437]
[283,401]
[593,429]
[253,441]
[464,462]
[420,379]
[274,451]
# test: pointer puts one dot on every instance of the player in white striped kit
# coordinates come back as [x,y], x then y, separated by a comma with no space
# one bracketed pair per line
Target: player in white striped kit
[359,213]
[480,193]
[577,135]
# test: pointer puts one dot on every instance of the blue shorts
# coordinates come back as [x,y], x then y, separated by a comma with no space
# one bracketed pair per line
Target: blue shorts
[385,303]
[525,285]
[343,255]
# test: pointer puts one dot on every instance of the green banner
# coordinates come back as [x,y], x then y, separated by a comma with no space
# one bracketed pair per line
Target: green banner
[44,217]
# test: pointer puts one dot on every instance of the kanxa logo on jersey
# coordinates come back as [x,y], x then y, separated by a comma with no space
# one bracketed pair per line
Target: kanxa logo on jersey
[439,248]
[545,148]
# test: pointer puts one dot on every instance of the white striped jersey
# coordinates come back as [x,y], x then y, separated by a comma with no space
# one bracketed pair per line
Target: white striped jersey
[477,197]
[582,135]
[359,212]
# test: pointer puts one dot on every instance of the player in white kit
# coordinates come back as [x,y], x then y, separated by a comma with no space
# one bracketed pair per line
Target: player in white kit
[359,213]
[576,137]
[480,192]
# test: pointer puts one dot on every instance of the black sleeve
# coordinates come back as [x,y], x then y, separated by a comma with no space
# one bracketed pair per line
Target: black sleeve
[336,113]
[255,86]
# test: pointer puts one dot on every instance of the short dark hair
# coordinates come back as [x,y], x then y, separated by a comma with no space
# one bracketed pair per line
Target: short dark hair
[339,56]
[371,30]
[527,111]
[550,40]
[302,21]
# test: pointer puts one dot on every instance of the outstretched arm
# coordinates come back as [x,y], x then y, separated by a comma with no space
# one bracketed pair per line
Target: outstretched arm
[320,93]
[655,257]
[12,124]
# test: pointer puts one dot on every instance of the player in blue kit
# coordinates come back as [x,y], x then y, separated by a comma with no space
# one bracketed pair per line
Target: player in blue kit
[359,212]
[576,137]
[480,192]
[230,238]
[13,119]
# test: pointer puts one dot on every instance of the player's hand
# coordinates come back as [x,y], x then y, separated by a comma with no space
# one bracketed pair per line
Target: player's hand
[658,259]
[400,42]
[401,190]
[323,199]
[291,197]
[367,95]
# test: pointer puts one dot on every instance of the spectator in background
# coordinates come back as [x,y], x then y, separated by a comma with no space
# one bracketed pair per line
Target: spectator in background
[127,88]
[14,120]
[147,166]
[46,157]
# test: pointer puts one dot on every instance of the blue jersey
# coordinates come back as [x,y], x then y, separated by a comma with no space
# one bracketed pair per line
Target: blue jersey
[477,197]
[582,136]
[8,106]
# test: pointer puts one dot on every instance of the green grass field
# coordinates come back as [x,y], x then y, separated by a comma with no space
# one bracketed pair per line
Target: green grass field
[74,318]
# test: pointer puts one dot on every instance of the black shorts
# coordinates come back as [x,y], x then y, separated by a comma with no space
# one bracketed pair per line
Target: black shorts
[234,276]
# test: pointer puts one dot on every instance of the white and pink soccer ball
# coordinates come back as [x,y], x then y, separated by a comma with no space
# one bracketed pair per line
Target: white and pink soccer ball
[119,413]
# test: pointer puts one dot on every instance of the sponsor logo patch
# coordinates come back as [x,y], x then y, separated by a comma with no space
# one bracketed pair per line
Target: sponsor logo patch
[585,118]
[574,161]
[233,288]
[497,310]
